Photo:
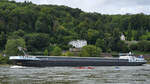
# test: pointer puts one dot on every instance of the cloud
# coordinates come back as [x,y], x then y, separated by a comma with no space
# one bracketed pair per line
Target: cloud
[102,6]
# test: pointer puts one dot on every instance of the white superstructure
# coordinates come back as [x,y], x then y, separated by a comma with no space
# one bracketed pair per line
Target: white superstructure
[23,58]
[131,58]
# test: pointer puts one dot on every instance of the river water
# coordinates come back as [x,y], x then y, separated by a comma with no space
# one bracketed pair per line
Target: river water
[75,75]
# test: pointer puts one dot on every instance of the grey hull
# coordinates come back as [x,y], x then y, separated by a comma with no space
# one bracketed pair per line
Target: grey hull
[47,63]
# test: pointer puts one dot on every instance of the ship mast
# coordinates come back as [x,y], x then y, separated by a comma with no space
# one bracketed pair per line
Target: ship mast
[20,49]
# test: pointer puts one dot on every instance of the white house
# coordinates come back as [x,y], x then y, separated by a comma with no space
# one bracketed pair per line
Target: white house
[78,43]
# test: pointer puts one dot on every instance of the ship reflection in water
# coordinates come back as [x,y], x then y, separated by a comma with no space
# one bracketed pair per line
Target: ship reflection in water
[75,75]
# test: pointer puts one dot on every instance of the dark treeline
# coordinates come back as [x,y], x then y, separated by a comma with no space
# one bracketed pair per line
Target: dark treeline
[40,27]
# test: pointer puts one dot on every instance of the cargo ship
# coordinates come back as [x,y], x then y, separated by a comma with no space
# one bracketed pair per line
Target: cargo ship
[49,61]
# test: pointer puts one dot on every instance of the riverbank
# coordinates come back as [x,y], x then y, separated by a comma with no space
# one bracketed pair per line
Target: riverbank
[148,60]
[1,65]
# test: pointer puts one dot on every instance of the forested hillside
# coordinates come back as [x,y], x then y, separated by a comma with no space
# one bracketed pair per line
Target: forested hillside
[40,27]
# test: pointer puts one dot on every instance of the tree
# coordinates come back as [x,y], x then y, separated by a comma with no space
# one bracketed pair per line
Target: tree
[46,52]
[82,29]
[92,36]
[12,45]
[37,41]
[134,46]
[41,27]
[101,43]
[115,39]
[145,36]
[121,46]
[129,33]
[90,51]
[19,33]
[2,40]
[4,60]
[143,45]
[16,34]
[108,42]
[44,23]
[68,53]
[4,0]
[56,51]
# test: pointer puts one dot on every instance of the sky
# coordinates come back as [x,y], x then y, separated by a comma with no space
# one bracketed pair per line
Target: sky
[102,6]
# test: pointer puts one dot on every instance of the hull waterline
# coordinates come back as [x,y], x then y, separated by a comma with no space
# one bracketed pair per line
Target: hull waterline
[45,63]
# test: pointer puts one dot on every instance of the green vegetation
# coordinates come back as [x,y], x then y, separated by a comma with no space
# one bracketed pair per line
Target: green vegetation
[142,46]
[46,52]
[90,51]
[3,60]
[56,51]
[12,46]
[68,53]
[36,41]
[40,27]
[148,60]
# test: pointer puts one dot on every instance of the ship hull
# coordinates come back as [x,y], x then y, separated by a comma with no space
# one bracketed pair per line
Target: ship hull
[47,63]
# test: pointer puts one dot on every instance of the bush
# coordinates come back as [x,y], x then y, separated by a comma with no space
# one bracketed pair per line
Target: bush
[46,52]
[122,46]
[4,60]
[90,51]
[68,53]
[143,46]
[36,41]
[56,51]
[12,45]
[133,47]
[101,43]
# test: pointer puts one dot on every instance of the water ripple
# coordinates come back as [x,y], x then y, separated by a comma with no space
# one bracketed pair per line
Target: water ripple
[71,75]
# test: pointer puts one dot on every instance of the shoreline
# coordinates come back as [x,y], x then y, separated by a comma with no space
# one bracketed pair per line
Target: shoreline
[5,65]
